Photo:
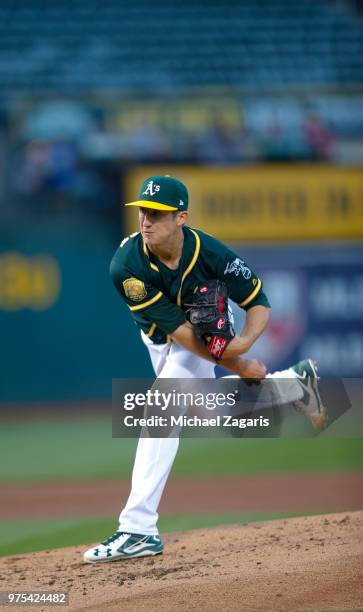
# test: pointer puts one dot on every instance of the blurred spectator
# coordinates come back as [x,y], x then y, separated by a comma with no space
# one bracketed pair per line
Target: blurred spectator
[220,142]
[319,138]
[31,167]
[63,167]
[273,145]
[148,143]
[100,144]
[45,165]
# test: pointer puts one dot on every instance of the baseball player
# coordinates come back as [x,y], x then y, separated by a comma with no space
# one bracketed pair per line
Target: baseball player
[156,271]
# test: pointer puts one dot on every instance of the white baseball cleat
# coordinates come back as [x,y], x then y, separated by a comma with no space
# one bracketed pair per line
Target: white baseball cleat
[311,403]
[123,545]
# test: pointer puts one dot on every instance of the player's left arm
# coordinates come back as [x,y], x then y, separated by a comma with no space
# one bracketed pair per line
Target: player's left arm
[246,289]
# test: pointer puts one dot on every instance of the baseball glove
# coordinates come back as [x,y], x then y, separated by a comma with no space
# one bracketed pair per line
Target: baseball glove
[209,316]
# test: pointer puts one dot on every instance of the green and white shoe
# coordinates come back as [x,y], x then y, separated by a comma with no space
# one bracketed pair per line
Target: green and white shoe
[311,403]
[123,545]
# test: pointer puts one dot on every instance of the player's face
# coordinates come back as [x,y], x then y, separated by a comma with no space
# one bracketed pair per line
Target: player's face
[158,226]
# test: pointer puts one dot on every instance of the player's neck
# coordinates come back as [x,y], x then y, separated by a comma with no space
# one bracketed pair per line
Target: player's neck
[170,252]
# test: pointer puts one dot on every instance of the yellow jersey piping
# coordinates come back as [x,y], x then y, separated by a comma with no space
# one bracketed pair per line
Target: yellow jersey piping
[148,303]
[191,265]
[152,265]
[252,295]
[153,327]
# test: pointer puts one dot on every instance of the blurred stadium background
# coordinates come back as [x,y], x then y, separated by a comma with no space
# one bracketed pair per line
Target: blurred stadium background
[258,107]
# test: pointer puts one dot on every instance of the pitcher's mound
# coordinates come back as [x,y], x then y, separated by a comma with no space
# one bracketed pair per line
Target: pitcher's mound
[309,563]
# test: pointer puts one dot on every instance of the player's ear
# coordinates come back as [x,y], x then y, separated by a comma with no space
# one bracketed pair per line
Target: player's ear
[181,218]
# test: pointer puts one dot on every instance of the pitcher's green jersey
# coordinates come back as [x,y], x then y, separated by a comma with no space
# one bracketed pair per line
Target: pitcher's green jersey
[157,296]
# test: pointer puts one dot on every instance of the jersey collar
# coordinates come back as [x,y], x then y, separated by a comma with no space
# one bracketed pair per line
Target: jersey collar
[146,251]
[191,264]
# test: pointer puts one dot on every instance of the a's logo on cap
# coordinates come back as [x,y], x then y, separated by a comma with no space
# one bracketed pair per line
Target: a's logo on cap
[181,203]
[150,187]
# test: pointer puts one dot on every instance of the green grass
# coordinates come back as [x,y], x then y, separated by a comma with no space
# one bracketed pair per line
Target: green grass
[84,448]
[62,449]
[21,536]
[275,455]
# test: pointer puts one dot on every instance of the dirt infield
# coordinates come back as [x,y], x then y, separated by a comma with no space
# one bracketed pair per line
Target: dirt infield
[310,563]
[235,494]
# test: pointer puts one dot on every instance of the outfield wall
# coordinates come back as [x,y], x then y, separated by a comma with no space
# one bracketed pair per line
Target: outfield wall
[66,338]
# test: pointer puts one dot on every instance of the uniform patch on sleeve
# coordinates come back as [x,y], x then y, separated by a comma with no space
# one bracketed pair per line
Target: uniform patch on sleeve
[134,289]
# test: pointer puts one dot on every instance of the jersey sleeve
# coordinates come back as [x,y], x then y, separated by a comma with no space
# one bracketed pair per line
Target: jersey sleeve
[244,286]
[142,298]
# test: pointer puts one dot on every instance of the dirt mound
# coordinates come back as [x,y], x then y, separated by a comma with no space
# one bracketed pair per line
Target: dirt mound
[308,563]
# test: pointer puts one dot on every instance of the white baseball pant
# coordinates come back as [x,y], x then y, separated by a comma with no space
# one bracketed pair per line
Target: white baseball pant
[155,456]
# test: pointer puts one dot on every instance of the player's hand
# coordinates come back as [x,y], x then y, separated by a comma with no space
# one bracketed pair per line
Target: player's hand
[252,368]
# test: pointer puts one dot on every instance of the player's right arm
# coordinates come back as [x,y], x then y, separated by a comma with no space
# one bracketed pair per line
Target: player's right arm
[149,307]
